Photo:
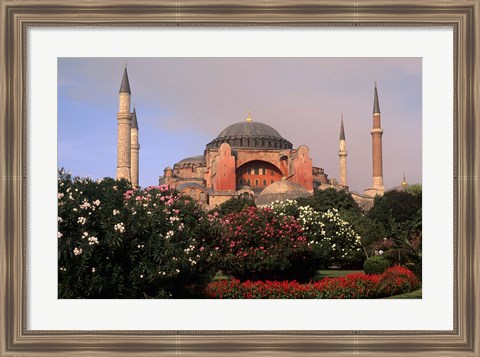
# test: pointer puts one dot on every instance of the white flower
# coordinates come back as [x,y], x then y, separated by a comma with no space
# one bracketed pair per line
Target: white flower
[92,240]
[85,205]
[115,212]
[96,202]
[77,251]
[93,270]
[60,195]
[60,219]
[169,234]
[119,227]
[81,220]
[141,276]
[59,235]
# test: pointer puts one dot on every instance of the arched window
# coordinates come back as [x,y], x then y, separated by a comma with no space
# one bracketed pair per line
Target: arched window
[248,182]
[256,182]
[240,182]
[264,182]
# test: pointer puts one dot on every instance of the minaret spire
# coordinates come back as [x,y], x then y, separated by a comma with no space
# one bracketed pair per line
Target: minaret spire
[376,105]
[342,130]
[125,86]
[134,149]
[342,156]
[134,119]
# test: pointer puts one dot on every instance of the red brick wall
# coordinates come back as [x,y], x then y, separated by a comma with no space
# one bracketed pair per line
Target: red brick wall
[302,165]
[223,179]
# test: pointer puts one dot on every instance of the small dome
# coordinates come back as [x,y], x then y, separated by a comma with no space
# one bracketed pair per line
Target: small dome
[281,190]
[252,135]
[192,160]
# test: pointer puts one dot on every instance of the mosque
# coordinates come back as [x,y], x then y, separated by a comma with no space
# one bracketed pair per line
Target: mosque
[246,159]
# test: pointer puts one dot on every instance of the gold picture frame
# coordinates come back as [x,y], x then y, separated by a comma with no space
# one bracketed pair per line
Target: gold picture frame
[18,15]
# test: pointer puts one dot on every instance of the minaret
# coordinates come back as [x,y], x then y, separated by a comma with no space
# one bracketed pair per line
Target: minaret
[404,182]
[342,155]
[135,148]
[124,118]
[377,132]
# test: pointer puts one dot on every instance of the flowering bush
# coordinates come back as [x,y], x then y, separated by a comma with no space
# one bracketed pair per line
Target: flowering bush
[333,240]
[258,244]
[397,280]
[352,286]
[118,242]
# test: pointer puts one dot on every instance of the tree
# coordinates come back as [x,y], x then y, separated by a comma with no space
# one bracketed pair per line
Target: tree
[323,200]
[235,204]
[400,214]
[395,208]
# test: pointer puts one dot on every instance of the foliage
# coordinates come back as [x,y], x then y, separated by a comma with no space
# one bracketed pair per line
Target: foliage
[323,200]
[376,265]
[235,204]
[397,280]
[395,208]
[394,281]
[258,244]
[119,242]
[333,240]
[414,189]
[400,215]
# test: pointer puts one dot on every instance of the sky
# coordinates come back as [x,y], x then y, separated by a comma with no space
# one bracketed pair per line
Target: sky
[184,103]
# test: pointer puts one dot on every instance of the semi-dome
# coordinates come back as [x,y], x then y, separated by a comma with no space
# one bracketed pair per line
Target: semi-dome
[281,190]
[192,159]
[251,135]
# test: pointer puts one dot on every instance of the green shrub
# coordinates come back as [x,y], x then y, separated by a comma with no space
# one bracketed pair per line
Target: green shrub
[235,204]
[119,242]
[376,265]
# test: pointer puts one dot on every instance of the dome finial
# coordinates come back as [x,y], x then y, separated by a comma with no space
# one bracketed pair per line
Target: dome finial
[404,183]
[249,117]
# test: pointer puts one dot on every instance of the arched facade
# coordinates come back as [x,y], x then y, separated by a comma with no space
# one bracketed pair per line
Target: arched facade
[257,174]
[244,159]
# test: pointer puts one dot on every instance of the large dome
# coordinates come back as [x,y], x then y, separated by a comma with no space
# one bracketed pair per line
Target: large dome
[281,190]
[251,135]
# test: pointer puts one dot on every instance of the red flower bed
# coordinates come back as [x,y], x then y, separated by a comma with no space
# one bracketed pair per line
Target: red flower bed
[393,281]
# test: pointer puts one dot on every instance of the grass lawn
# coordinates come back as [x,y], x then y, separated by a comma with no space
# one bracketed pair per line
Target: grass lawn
[417,294]
[334,273]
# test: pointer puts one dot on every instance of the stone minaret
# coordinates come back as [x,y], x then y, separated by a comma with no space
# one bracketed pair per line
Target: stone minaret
[134,148]
[342,155]
[124,118]
[377,132]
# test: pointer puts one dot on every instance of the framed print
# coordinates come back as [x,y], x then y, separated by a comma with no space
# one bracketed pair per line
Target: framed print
[40,39]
